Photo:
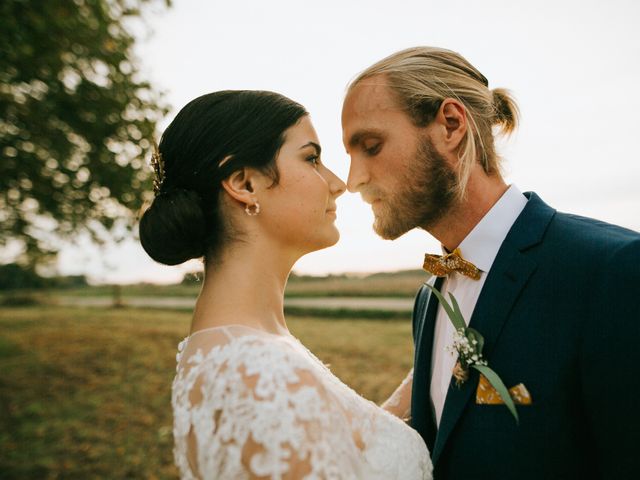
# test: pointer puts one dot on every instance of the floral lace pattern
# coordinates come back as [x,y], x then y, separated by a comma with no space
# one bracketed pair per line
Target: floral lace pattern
[249,404]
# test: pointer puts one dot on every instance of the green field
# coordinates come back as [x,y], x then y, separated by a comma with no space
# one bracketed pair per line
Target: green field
[86,393]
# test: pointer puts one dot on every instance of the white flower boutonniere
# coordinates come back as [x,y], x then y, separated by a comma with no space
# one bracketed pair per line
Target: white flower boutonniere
[468,343]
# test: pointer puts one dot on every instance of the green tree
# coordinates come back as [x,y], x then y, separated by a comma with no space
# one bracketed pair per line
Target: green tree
[76,122]
[13,277]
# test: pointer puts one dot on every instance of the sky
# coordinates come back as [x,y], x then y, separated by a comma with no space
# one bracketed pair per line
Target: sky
[573,67]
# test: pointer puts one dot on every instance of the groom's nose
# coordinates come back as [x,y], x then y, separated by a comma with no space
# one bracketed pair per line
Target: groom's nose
[358,175]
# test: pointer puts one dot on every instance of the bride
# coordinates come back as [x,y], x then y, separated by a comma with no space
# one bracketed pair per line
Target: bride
[240,183]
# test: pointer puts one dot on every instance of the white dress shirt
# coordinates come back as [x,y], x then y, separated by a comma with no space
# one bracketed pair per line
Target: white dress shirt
[480,247]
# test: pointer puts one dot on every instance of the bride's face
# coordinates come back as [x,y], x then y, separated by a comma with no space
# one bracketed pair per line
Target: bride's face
[300,210]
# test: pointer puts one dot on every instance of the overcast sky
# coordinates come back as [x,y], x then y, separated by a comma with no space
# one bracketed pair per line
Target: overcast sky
[573,66]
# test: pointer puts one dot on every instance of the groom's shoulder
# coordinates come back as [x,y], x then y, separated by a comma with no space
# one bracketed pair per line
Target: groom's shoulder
[589,244]
[589,233]
[577,233]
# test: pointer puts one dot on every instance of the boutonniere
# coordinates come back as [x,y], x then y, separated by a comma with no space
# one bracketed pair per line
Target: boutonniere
[468,343]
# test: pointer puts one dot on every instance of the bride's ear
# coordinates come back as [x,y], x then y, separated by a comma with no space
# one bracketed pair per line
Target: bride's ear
[240,186]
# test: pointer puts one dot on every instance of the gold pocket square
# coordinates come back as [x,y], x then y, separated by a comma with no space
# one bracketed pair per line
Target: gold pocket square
[487,395]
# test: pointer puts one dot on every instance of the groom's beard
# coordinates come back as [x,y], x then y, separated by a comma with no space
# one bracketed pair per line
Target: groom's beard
[429,191]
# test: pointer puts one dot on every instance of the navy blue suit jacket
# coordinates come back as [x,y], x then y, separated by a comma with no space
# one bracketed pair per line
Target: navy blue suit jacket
[560,312]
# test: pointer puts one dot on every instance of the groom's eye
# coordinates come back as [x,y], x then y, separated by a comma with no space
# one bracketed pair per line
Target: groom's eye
[372,149]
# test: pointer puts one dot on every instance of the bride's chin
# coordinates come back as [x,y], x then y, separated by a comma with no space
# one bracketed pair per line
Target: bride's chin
[328,240]
[335,236]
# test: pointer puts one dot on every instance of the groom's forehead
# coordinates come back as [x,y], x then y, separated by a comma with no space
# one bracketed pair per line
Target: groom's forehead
[370,95]
[369,109]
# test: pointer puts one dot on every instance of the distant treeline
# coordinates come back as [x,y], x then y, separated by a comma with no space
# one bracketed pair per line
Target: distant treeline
[17,277]
[382,284]
[196,277]
[403,283]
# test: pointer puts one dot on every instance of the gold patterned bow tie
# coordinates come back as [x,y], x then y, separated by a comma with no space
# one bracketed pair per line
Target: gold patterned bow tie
[442,265]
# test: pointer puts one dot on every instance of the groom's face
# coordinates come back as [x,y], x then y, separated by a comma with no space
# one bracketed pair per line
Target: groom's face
[394,164]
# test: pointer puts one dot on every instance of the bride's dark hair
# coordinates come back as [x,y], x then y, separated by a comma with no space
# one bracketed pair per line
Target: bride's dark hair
[210,138]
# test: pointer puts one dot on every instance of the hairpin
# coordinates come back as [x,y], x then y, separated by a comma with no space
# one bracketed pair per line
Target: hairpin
[158,167]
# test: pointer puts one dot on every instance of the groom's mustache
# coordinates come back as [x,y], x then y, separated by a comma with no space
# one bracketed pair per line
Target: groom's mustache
[370,194]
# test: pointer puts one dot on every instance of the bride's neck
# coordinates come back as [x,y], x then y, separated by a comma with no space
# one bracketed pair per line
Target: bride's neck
[245,286]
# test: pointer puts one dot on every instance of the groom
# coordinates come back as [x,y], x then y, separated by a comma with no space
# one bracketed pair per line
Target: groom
[556,296]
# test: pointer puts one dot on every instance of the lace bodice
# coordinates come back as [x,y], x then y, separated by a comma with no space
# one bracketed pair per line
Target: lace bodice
[249,404]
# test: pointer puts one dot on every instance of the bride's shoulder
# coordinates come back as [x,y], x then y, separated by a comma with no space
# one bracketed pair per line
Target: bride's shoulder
[237,347]
[259,404]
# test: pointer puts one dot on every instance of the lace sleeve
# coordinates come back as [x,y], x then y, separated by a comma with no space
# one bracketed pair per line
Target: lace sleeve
[256,408]
[399,403]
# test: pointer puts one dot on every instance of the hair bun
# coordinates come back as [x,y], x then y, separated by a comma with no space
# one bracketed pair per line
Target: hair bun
[506,110]
[173,229]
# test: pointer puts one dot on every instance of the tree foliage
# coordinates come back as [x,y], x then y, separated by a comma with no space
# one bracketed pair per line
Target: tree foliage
[17,277]
[76,122]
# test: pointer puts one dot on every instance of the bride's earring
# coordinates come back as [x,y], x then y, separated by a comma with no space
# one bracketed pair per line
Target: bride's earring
[252,213]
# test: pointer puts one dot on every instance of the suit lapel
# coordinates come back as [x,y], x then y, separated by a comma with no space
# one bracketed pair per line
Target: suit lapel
[508,276]
[422,415]
[426,329]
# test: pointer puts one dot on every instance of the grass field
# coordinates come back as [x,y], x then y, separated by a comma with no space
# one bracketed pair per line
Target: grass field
[86,393]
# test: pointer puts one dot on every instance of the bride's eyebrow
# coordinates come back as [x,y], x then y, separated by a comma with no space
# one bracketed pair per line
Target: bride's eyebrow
[314,145]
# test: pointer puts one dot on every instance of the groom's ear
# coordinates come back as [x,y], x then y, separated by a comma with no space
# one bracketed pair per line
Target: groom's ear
[451,125]
[240,186]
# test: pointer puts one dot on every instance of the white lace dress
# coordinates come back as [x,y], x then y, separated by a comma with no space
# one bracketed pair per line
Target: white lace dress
[249,404]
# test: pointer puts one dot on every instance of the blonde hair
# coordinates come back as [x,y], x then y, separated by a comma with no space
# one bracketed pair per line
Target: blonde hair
[422,77]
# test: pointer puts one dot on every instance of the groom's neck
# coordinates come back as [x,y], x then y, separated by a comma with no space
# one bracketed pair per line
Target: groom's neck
[481,195]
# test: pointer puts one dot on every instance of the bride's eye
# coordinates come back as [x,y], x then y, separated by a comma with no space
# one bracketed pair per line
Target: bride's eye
[314,159]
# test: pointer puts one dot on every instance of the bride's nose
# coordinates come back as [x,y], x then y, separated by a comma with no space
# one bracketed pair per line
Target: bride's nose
[336,185]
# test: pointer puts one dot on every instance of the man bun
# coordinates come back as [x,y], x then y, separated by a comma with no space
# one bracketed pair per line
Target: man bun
[506,110]
[174,228]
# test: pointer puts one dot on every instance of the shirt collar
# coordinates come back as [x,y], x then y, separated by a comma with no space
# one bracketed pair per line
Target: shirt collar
[481,245]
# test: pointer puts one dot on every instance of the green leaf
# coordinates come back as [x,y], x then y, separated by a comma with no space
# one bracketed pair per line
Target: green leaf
[498,384]
[457,312]
[455,306]
[456,320]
